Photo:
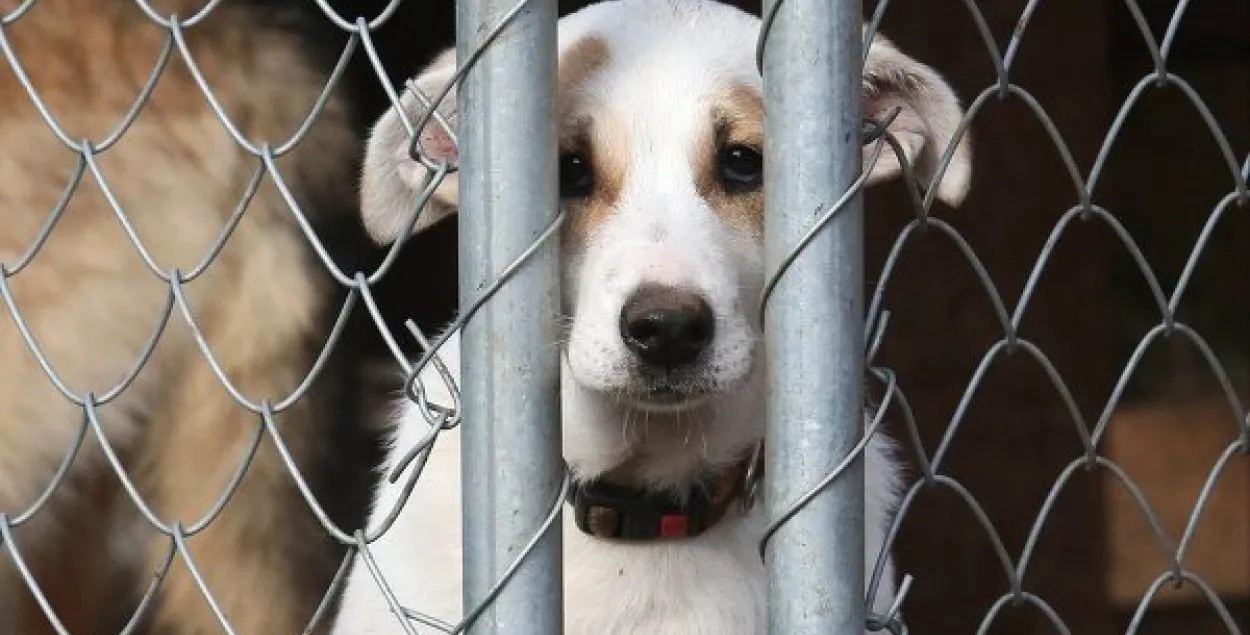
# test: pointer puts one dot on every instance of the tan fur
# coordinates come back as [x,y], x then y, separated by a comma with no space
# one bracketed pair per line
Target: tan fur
[606,142]
[603,140]
[577,64]
[92,303]
[738,113]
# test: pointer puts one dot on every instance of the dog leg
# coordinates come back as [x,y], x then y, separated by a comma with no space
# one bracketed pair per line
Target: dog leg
[90,307]
[265,558]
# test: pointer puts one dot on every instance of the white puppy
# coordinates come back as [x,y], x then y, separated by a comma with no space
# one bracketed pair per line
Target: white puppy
[661,129]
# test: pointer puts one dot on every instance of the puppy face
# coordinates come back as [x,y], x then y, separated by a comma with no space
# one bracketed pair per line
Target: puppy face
[661,127]
[661,176]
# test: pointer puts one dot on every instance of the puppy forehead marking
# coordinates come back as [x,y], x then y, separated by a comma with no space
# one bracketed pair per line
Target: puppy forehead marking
[578,62]
[735,117]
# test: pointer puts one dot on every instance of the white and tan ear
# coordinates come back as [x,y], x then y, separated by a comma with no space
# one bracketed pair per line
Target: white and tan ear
[929,114]
[392,178]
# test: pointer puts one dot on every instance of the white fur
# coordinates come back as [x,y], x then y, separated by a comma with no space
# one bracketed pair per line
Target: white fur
[710,585]
[666,57]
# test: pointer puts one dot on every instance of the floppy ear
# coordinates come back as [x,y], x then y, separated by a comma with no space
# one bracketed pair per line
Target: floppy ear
[392,179]
[929,113]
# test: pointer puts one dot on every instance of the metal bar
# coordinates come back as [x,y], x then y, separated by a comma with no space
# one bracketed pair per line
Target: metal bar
[512,468]
[814,318]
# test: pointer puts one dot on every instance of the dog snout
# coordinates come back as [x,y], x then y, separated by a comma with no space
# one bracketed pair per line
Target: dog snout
[667,327]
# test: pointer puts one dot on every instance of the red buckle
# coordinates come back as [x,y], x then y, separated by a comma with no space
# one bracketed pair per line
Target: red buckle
[674,525]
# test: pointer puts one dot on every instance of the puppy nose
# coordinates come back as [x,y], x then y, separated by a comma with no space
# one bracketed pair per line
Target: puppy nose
[666,327]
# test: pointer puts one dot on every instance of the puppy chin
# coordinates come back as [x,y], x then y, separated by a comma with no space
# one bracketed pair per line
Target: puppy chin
[610,377]
[668,395]
[669,401]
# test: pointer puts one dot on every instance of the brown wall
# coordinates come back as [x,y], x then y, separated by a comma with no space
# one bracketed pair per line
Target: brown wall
[1017,436]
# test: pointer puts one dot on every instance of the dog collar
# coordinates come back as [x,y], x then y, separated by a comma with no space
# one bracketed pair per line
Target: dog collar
[620,512]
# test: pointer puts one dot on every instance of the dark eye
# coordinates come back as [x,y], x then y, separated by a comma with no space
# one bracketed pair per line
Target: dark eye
[741,168]
[575,176]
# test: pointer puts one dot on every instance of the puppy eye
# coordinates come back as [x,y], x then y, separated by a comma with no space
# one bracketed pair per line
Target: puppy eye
[741,168]
[575,176]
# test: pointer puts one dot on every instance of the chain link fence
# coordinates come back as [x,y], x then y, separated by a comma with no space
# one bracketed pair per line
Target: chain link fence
[521,589]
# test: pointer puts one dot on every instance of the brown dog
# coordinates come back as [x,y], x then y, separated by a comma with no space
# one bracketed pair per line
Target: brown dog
[92,302]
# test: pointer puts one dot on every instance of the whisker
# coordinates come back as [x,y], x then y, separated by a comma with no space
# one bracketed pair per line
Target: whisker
[705,453]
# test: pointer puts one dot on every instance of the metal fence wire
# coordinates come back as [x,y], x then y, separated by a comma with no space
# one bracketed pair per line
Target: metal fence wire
[501,279]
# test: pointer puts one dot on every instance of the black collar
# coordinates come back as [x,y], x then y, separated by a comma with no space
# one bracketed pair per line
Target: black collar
[621,512]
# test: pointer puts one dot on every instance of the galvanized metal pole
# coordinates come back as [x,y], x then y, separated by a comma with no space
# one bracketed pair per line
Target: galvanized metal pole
[512,467]
[814,319]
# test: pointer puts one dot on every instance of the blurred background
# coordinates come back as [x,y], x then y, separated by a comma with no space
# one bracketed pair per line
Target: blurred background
[1096,554]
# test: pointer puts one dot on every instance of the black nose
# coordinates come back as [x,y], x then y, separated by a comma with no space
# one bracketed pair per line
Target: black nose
[666,327]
